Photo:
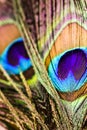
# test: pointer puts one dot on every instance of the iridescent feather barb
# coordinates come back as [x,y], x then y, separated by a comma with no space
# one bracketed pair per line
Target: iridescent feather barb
[53,41]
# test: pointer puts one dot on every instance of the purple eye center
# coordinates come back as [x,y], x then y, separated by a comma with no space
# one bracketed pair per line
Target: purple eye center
[16,52]
[72,61]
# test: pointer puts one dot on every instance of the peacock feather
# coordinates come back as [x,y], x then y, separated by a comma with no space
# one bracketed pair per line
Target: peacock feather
[43,63]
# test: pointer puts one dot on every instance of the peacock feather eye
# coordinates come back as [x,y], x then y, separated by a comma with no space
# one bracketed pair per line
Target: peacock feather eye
[13,55]
[15,58]
[66,62]
[68,70]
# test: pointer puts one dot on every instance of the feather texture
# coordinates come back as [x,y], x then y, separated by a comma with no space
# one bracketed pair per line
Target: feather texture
[57,28]
[47,42]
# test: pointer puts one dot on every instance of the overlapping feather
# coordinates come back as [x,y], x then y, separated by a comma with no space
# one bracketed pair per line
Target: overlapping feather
[41,23]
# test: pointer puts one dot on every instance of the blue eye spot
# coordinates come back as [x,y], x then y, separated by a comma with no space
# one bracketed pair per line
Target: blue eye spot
[16,51]
[15,59]
[68,71]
